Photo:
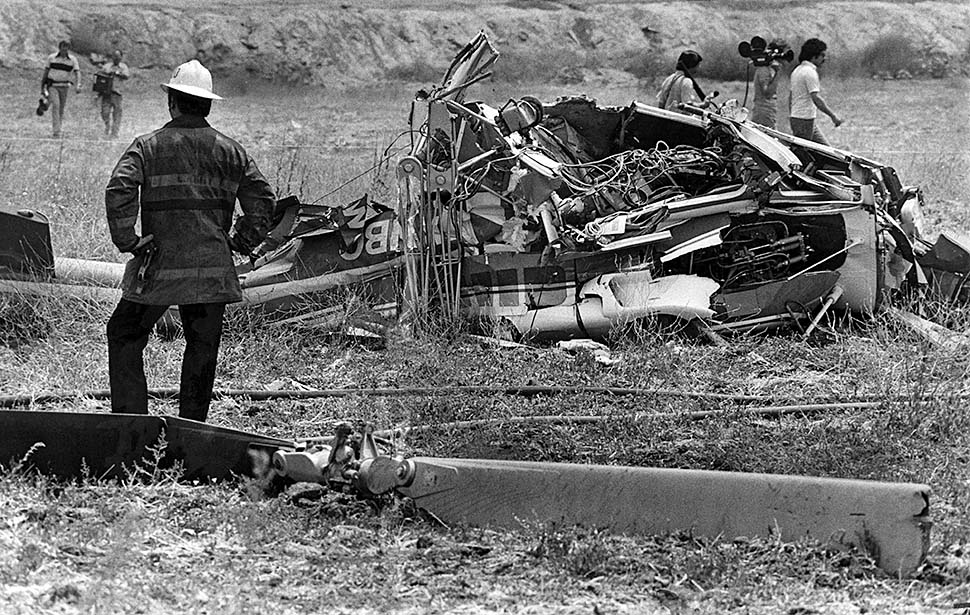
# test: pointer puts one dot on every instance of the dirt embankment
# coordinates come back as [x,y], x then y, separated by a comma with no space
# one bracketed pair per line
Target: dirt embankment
[327,42]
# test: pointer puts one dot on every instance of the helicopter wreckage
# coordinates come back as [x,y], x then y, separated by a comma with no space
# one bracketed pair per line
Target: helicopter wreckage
[560,220]
[571,219]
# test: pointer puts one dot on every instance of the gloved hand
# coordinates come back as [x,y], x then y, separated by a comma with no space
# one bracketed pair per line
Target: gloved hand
[236,246]
[140,245]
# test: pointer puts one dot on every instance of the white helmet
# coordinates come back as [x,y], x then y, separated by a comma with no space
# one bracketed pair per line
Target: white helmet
[193,79]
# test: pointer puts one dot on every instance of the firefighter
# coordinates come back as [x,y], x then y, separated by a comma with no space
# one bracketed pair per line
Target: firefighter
[184,179]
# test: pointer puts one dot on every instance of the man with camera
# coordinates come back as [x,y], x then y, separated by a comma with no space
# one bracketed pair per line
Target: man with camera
[806,100]
[107,85]
[767,69]
[60,73]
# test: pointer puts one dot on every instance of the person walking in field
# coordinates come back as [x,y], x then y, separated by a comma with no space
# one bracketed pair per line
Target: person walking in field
[61,72]
[108,86]
[765,106]
[806,100]
[680,86]
[184,179]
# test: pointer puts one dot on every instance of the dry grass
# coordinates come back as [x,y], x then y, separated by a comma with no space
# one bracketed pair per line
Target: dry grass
[163,546]
[213,549]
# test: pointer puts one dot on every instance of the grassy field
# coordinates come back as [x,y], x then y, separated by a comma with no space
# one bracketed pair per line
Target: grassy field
[164,546]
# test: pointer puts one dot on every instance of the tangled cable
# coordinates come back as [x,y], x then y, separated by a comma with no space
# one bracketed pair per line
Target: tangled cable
[640,170]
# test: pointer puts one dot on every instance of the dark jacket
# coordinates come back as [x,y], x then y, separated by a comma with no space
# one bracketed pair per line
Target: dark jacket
[189,176]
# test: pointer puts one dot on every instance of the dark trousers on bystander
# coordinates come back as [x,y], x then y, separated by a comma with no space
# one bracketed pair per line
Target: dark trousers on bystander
[807,129]
[128,331]
[111,113]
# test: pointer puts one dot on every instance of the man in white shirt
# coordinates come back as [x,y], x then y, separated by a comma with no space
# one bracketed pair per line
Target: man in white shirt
[806,101]
[61,72]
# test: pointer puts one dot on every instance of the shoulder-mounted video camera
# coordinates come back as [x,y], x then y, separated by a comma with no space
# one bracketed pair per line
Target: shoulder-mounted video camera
[762,54]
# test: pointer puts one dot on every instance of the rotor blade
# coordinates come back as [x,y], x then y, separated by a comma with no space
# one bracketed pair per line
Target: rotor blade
[78,444]
[888,520]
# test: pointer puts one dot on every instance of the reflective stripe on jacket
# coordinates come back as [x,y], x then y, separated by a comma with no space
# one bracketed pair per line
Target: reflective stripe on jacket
[185,178]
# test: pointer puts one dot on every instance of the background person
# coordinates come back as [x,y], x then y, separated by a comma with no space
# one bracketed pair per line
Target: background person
[111,110]
[184,178]
[806,100]
[765,106]
[61,72]
[680,86]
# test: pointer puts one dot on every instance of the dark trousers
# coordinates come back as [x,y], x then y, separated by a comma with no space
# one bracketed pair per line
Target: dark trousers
[807,129]
[111,113]
[128,331]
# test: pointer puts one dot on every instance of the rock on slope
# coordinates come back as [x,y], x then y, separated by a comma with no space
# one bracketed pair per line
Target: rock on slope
[326,42]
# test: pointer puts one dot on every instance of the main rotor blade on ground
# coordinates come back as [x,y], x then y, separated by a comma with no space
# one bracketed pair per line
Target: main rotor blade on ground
[888,520]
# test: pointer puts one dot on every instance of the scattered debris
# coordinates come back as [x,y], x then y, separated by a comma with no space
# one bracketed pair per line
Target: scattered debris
[569,219]
[499,343]
[287,384]
[933,333]
[601,352]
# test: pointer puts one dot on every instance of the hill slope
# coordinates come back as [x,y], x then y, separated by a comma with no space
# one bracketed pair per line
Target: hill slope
[330,42]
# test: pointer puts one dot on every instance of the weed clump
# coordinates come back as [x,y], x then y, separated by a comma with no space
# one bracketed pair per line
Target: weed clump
[891,56]
[21,321]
